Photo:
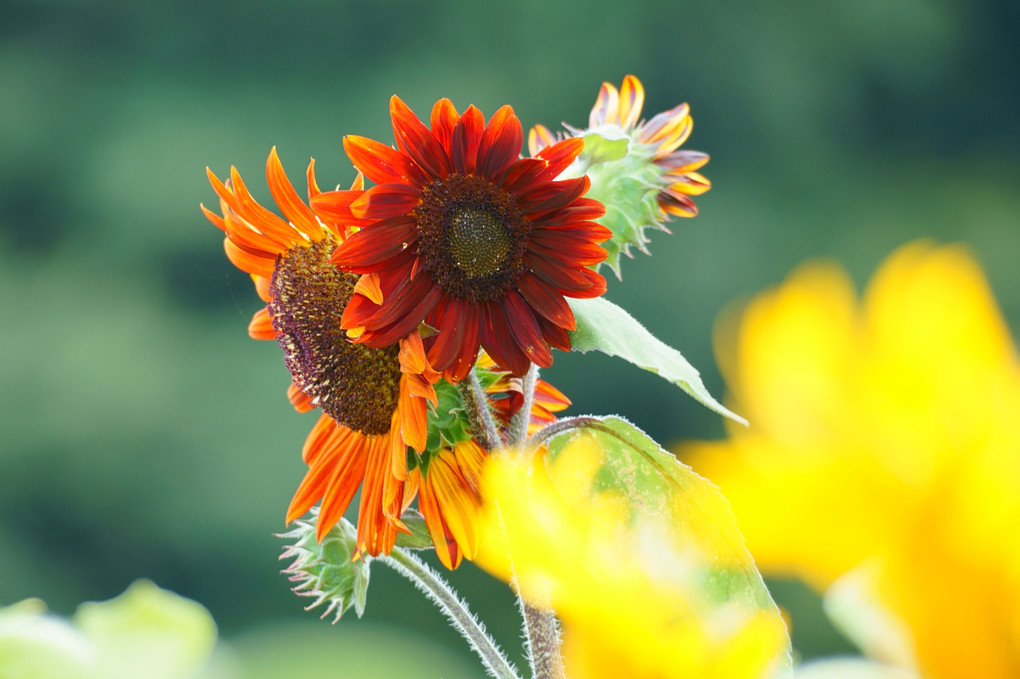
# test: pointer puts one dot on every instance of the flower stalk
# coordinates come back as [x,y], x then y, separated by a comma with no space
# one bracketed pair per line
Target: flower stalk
[476,404]
[541,628]
[454,608]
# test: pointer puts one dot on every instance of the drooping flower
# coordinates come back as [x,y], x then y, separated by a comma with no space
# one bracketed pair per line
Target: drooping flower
[464,235]
[373,400]
[648,180]
[883,455]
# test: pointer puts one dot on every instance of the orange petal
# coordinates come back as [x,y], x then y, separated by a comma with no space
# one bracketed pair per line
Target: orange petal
[413,419]
[261,326]
[632,99]
[299,214]
[606,108]
[299,399]
[368,285]
[539,137]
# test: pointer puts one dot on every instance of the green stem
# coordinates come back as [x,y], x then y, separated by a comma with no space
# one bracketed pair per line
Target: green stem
[519,423]
[541,628]
[437,589]
[476,405]
[543,641]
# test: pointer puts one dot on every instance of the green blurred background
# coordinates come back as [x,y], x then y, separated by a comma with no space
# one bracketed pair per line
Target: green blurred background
[143,433]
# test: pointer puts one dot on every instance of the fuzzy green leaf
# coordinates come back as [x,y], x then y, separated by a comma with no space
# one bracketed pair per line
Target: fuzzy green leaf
[681,524]
[603,326]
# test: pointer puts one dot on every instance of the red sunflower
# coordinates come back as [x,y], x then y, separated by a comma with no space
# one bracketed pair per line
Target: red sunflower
[464,235]
[373,400]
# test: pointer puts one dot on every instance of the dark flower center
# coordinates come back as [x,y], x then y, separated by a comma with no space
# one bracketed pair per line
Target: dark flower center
[355,385]
[478,241]
[472,237]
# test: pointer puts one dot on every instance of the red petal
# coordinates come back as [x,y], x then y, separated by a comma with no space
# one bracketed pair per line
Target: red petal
[456,346]
[402,312]
[589,231]
[582,209]
[554,334]
[522,175]
[524,329]
[376,243]
[553,195]
[561,155]
[261,326]
[380,163]
[501,143]
[567,247]
[444,119]
[417,140]
[467,135]
[385,200]
[546,300]
[557,273]
[498,342]
[335,206]
[597,289]
[261,264]
[299,399]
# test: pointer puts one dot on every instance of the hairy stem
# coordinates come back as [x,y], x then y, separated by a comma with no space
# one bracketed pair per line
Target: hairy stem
[543,641]
[519,423]
[455,609]
[478,412]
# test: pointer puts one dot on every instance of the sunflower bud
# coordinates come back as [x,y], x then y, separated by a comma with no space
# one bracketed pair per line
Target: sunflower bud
[635,167]
[332,571]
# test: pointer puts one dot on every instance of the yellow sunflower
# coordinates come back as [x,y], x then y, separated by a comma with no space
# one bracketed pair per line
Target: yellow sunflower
[884,444]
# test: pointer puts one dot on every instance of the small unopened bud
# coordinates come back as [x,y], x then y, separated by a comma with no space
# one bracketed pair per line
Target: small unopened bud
[333,571]
[636,167]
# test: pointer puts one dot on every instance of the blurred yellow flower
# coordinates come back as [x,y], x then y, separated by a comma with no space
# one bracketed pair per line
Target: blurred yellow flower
[638,597]
[884,440]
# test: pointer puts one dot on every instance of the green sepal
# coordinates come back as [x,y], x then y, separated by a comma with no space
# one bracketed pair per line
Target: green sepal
[332,571]
[448,422]
[603,326]
[625,180]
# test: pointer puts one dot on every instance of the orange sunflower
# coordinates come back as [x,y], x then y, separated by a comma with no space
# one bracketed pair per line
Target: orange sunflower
[450,489]
[664,133]
[464,235]
[373,400]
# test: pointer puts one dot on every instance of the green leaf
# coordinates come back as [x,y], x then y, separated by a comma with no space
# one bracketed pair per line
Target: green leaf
[144,632]
[680,523]
[603,326]
[419,537]
[148,631]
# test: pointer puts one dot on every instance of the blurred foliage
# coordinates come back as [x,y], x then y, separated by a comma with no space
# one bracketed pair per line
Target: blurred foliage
[144,434]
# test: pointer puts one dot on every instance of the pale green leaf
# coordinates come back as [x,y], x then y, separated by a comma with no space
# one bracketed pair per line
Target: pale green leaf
[147,632]
[603,326]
